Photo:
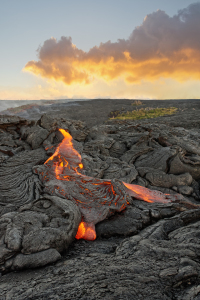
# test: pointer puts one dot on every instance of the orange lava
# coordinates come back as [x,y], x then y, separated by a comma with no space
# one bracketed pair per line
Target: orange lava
[74,158]
[66,164]
[142,193]
[86,231]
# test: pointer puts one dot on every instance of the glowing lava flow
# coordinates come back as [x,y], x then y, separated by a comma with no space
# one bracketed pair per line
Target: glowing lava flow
[86,231]
[73,157]
[97,199]
[142,193]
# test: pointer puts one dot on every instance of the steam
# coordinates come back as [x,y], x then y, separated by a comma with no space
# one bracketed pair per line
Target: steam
[162,46]
[6,104]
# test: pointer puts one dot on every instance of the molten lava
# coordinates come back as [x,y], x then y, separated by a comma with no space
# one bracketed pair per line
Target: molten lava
[73,157]
[86,231]
[142,193]
[97,199]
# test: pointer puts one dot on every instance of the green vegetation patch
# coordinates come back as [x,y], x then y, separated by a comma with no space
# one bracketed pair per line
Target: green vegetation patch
[145,113]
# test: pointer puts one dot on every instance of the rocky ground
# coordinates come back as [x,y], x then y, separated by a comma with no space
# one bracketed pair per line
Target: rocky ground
[147,251]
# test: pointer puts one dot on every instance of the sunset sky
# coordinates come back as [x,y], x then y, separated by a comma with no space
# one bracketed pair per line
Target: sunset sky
[99,49]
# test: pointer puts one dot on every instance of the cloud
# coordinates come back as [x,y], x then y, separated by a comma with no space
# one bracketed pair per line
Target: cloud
[162,46]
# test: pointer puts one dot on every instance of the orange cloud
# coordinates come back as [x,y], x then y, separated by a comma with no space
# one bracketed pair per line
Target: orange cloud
[162,46]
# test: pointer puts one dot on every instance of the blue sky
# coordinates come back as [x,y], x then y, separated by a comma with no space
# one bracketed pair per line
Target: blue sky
[25,25]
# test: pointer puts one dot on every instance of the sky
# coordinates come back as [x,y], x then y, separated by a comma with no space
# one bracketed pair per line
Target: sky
[99,49]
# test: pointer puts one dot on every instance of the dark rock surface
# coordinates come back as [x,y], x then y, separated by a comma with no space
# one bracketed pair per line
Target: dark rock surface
[18,184]
[148,251]
[35,234]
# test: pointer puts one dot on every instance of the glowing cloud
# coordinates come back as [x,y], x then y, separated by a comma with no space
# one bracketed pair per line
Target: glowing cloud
[162,46]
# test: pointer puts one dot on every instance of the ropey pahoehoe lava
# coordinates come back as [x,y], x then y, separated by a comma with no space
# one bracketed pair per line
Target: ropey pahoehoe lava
[97,199]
